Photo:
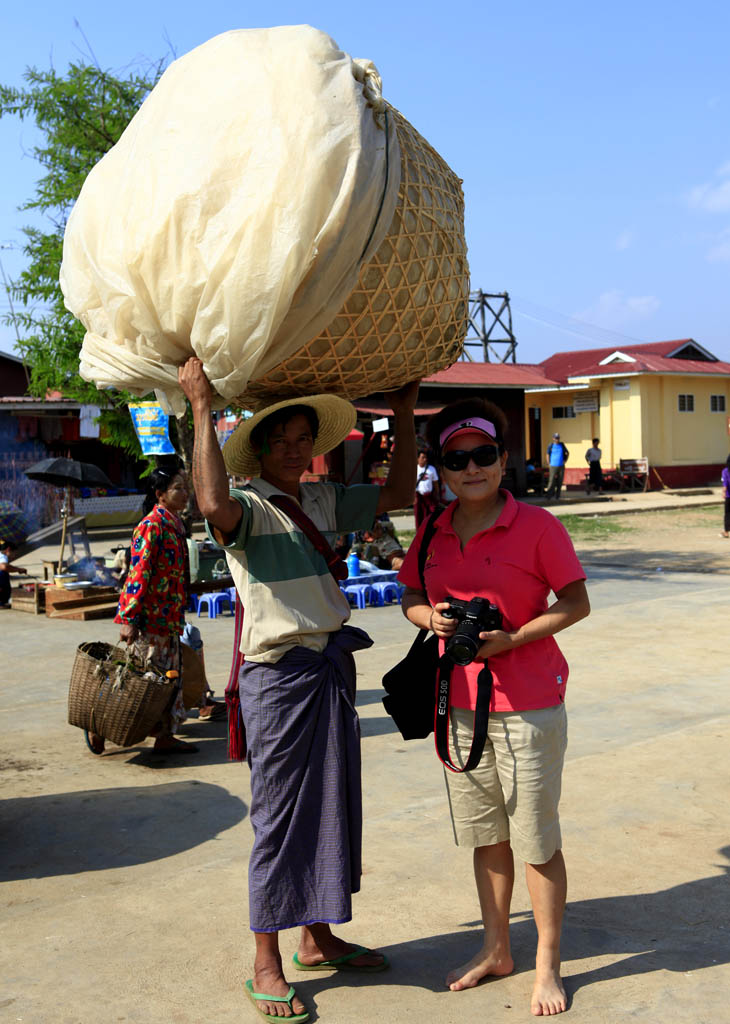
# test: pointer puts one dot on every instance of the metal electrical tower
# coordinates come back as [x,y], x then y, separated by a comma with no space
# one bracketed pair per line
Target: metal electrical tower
[490,324]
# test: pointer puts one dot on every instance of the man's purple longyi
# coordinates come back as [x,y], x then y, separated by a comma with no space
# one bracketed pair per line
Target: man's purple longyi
[303,738]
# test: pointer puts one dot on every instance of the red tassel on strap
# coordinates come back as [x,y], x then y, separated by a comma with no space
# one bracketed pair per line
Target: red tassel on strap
[236,728]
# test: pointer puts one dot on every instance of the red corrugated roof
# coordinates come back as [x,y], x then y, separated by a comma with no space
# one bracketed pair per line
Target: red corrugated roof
[652,357]
[654,364]
[381,408]
[499,375]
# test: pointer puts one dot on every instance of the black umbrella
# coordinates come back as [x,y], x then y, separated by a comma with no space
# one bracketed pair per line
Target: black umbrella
[68,473]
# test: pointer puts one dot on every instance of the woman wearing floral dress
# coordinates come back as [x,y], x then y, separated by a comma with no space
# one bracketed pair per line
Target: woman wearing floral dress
[151,610]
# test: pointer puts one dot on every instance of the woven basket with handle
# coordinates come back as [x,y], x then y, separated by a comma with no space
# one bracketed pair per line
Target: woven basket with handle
[407,317]
[114,697]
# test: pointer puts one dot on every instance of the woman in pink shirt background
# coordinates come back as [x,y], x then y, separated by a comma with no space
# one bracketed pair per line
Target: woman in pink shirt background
[488,545]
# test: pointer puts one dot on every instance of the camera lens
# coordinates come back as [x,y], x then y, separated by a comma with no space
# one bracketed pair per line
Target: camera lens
[462,650]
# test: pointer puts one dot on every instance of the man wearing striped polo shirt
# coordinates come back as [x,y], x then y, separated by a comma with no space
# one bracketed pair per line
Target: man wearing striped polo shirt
[297,685]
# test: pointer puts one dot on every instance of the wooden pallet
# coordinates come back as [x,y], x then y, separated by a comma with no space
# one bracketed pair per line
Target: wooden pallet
[29,598]
[95,603]
[105,610]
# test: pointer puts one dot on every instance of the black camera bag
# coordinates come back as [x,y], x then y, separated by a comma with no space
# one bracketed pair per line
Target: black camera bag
[410,685]
[418,687]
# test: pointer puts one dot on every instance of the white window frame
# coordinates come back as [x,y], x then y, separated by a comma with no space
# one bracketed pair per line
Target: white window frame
[689,402]
[719,403]
[563,412]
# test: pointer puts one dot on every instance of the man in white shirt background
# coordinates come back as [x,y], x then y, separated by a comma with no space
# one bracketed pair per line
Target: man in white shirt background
[595,473]
[427,489]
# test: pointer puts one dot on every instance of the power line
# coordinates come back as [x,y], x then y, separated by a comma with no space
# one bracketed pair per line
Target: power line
[570,324]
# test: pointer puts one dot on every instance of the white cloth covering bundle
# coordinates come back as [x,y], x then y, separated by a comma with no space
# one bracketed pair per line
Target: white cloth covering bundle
[233,216]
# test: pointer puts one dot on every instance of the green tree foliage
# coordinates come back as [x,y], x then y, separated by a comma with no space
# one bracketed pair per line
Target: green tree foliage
[80,115]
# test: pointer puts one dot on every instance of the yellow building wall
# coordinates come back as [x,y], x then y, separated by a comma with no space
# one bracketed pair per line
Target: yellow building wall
[699,436]
[576,433]
[617,423]
[641,419]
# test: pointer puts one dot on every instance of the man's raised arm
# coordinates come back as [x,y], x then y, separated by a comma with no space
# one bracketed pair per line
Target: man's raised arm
[210,479]
[397,492]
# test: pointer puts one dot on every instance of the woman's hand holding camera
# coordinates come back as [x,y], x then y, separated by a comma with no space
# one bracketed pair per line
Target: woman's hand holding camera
[496,642]
[442,626]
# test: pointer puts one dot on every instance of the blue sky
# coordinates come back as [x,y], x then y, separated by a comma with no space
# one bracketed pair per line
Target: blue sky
[592,139]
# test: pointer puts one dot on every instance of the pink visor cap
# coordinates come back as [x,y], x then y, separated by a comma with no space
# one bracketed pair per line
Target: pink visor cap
[475,425]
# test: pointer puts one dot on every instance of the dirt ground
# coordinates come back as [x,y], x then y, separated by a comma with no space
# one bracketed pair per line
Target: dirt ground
[679,540]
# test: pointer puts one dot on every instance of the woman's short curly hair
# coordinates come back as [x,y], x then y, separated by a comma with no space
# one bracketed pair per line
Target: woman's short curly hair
[464,409]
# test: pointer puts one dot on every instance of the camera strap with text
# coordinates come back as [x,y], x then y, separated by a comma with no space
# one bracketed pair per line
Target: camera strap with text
[441,716]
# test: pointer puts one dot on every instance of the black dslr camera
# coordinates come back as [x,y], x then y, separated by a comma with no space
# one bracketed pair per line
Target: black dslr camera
[474,617]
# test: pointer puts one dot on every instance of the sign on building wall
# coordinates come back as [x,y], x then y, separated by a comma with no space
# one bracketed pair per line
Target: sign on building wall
[622,385]
[586,402]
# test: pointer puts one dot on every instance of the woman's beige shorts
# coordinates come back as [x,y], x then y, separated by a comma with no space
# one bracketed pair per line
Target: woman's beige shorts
[514,791]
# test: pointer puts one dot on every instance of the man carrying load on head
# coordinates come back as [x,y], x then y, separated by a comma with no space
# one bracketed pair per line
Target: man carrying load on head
[297,685]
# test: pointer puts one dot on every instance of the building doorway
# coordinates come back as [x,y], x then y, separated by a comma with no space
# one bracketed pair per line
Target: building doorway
[535,438]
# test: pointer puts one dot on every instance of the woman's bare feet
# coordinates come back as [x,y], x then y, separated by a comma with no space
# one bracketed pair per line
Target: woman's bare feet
[548,994]
[268,978]
[486,962]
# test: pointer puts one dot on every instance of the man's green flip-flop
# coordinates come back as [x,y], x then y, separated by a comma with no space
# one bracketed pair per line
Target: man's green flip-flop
[344,963]
[259,997]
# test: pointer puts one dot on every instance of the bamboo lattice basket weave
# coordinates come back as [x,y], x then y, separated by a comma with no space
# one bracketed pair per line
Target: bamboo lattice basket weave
[407,317]
[113,697]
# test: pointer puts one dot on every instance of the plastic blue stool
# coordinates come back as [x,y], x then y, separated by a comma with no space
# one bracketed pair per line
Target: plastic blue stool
[357,593]
[214,602]
[193,602]
[385,592]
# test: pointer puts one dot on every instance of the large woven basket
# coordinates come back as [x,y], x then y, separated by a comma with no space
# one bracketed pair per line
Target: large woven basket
[114,697]
[407,317]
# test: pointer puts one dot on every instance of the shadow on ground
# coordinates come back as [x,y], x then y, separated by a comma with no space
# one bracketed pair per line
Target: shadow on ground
[680,929]
[377,726]
[98,829]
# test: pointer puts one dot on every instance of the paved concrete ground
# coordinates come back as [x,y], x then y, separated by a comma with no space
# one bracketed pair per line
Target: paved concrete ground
[124,878]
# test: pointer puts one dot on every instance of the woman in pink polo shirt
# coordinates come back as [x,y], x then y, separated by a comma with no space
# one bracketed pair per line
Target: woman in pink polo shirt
[514,555]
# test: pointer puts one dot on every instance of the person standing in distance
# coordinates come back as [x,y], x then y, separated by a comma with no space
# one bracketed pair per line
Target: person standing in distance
[6,567]
[557,456]
[427,491]
[725,480]
[595,473]
[297,684]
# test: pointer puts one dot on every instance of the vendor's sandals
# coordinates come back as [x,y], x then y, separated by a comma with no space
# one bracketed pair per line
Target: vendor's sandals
[259,997]
[344,963]
[173,746]
[94,743]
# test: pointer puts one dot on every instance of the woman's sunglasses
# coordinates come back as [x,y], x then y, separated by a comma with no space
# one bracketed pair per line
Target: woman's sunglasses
[484,455]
